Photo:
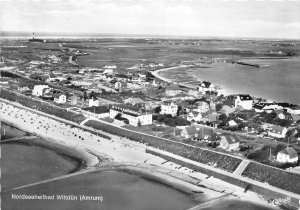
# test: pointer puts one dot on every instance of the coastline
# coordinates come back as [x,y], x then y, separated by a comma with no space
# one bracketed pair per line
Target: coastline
[84,158]
[120,153]
[226,89]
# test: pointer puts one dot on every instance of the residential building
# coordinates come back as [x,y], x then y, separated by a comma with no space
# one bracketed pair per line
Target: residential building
[293,110]
[203,106]
[96,111]
[120,84]
[244,101]
[173,90]
[73,100]
[232,123]
[227,110]
[135,115]
[189,132]
[287,155]
[280,114]
[93,102]
[206,134]
[134,101]
[229,142]
[206,86]
[194,116]
[266,107]
[211,116]
[159,82]
[169,107]
[60,98]
[277,131]
[39,90]
[23,88]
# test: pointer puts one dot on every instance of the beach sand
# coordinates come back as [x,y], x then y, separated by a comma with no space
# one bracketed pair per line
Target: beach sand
[118,150]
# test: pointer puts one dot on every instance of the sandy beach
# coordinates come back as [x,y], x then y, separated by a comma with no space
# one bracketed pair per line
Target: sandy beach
[119,151]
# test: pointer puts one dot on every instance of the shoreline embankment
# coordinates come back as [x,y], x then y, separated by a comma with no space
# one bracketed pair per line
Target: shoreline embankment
[118,152]
[243,182]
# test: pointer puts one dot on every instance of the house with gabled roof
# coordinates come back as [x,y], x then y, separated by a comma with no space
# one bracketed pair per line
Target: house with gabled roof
[173,90]
[229,142]
[287,155]
[277,131]
[194,116]
[206,134]
[244,101]
[206,86]
[189,132]
[60,98]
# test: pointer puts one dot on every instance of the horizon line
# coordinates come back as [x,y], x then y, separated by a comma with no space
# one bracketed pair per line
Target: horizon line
[126,35]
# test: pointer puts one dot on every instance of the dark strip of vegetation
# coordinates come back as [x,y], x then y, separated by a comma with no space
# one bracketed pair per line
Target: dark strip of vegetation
[222,161]
[275,177]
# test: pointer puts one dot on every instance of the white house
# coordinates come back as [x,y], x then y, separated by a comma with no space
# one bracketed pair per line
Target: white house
[169,107]
[60,98]
[244,101]
[38,90]
[206,86]
[277,131]
[203,106]
[93,102]
[194,115]
[134,115]
[229,142]
[232,123]
[287,155]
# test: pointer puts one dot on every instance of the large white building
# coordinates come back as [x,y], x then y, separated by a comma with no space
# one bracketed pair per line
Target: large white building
[169,107]
[39,90]
[287,155]
[134,115]
[244,101]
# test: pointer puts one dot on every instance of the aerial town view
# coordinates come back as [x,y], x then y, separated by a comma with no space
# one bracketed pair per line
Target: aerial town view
[139,105]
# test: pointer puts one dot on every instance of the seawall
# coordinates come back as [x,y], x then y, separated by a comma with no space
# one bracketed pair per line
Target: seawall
[243,182]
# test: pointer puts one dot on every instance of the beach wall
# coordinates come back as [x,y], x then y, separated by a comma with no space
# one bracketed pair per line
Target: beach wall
[239,181]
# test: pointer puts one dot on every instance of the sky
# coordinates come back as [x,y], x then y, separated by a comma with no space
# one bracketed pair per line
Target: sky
[201,18]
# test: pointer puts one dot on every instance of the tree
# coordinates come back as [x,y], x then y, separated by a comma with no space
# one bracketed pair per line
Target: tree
[269,117]
[157,109]
[219,107]
[223,117]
